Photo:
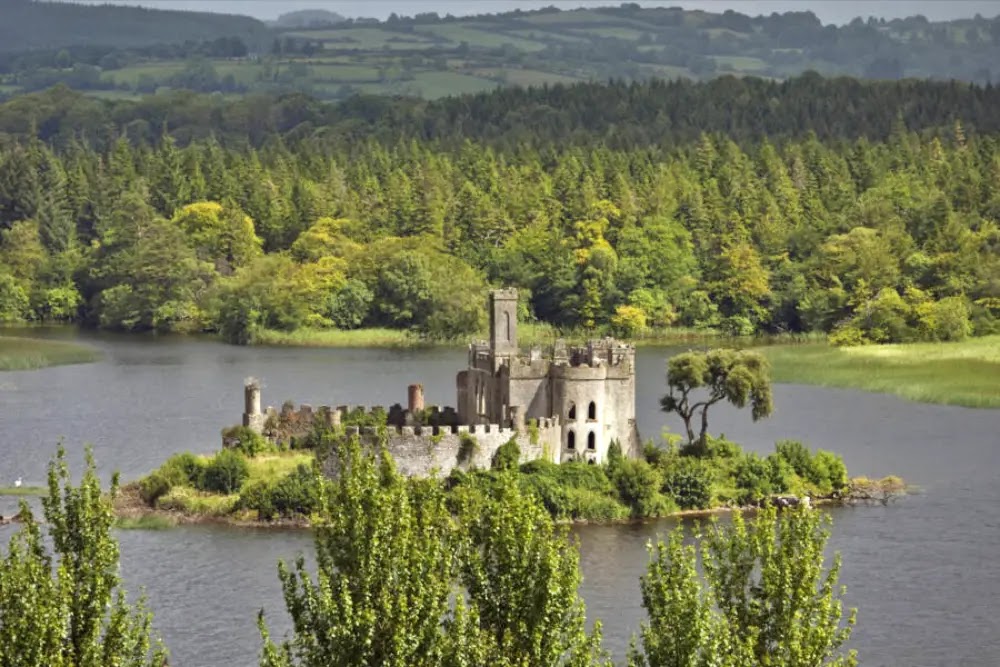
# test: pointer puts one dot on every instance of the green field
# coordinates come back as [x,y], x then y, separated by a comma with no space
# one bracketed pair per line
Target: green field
[966,373]
[18,354]
[740,63]
[365,39]
[666,71]
[158,70]
[527,77]
[479,36]
[343,73]
[630,34]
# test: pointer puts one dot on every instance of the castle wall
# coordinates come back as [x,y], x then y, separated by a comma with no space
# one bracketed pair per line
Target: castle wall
[528,386]
[426,452]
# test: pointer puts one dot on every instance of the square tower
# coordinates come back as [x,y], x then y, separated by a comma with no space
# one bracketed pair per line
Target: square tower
[503,322]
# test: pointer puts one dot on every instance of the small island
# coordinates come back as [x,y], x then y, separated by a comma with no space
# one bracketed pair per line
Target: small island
[563,418]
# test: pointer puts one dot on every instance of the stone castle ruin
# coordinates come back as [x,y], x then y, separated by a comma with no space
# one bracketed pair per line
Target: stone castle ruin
[569,404]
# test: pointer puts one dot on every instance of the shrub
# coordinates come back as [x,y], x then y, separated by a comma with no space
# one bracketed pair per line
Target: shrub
[688,482]
[638,485]
[154,486]
[248,442]
[183,469]
[467,448]
[830,473]
[824,470]
[780,474]
[720,448]
[797,455]
[225,473]
[753,479]
[628,321]
[567,502]
[847,336]
[296,494]
[507,456]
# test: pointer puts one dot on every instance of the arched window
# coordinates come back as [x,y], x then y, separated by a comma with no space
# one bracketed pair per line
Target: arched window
[592,410]
[571,440]
[591,440]
[572,411]
[506,326]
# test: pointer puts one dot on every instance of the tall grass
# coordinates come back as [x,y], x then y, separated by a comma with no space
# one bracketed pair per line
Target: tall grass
[145,522]
[965,373]
[341,338]
[23,491]
[20,354]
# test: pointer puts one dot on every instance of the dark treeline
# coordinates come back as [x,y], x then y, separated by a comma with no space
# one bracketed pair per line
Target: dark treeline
[882,238]
[617,115]
[28,25]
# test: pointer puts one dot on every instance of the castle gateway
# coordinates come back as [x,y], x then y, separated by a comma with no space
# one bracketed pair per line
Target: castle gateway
[567,404]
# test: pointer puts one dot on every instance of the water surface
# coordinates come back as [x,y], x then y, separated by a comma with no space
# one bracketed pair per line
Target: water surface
[924,573]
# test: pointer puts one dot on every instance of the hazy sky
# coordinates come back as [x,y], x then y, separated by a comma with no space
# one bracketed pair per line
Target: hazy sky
[829,11]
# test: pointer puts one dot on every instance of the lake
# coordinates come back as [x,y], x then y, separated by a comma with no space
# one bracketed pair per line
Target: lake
[924,573]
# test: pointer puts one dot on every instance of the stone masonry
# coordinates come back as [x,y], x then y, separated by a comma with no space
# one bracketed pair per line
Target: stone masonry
[569,404]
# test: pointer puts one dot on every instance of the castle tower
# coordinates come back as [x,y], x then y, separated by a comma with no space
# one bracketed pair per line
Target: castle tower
[503,322]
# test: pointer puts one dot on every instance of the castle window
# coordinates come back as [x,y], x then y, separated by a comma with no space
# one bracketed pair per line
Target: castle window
[571,440]
[592,411]
[572,411]
[506,328]
[591,440]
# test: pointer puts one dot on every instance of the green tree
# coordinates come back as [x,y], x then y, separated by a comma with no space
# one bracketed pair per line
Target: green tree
[522,575]
[64,605]
[765,597]
[386,559]
[698,380]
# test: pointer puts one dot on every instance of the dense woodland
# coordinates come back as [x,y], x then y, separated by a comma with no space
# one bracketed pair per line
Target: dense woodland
[876,230]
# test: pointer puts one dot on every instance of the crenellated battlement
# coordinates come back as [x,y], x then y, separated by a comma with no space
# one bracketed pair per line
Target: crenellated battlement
[555,402]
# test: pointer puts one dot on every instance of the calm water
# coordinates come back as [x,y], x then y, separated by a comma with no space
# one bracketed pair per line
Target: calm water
[925,573]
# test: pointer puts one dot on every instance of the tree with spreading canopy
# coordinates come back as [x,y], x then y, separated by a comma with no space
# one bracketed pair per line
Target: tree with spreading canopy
[698,380]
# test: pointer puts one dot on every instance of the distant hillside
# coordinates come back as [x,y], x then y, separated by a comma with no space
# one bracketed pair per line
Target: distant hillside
[31,25]
[633,42]
[307,18]
[429,56]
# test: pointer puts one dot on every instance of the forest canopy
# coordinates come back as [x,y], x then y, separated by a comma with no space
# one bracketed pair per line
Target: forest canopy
[881,231]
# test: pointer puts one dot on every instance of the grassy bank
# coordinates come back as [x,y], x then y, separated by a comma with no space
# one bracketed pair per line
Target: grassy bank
[341,338]
[22,491]
[965,373]
[536,333]
[21,354]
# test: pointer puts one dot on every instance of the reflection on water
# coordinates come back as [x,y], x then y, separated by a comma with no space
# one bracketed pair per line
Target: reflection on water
[923,573]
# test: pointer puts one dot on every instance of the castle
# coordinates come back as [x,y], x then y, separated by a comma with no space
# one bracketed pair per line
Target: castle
[570,404]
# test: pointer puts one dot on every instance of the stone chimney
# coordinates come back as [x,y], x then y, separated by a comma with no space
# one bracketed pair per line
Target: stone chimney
[415,396]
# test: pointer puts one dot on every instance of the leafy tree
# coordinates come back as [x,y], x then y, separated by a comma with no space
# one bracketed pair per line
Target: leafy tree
[737,376]
[765,596]
[386,559]
[64,604]
[522,575]
[222,234]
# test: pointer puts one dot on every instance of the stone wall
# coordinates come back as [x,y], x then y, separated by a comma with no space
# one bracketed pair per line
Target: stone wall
[426,451]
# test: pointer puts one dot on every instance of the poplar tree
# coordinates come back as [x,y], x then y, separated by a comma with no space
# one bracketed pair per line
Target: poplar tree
[765,597]
[64,605]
